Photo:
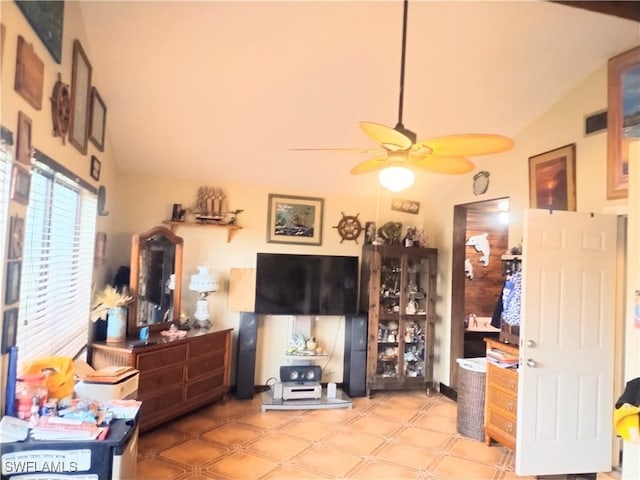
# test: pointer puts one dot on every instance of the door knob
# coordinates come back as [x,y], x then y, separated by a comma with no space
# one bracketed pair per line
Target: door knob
[532,363]
[531,343]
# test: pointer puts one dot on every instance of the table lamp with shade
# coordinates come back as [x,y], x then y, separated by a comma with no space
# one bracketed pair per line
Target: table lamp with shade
[204,283]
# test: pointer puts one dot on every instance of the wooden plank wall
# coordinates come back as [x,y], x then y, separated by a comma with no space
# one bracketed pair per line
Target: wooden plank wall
[482,292]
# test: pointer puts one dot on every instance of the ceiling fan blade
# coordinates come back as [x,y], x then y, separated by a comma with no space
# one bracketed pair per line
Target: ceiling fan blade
[369,165]
[466,144]
[372,151]
[388,137]
[447,164]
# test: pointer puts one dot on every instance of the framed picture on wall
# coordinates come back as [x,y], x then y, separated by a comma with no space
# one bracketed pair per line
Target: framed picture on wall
[9,329]
[16,238]
[294,220]
[95,168]
[98,120]
[80,96]
[552,179]
[623,122]
[23,142]
[20,185]
[12,289]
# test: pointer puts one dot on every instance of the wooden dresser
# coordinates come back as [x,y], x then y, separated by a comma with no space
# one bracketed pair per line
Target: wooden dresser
[176,376]
[501,401]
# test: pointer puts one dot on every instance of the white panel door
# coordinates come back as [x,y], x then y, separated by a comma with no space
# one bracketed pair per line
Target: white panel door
[565,379]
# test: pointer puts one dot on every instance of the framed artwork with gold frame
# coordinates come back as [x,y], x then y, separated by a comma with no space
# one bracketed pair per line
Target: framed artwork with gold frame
[294,219]
[623,122]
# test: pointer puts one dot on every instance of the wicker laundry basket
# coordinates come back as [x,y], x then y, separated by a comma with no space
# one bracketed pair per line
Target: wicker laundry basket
[471,391]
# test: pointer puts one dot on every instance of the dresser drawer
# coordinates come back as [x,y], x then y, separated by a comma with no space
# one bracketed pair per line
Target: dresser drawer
[502,422]
[205,365]
[150,382]
[161,358]
[205,386]
[503,400]
[157,405]
[206,345]
[503,378]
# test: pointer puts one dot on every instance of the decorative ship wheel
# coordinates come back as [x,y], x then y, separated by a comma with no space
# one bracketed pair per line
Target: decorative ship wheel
[349,227]
[61,109]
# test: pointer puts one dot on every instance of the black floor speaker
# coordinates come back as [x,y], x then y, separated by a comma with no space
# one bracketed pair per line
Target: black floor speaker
[246,355]
[354,382]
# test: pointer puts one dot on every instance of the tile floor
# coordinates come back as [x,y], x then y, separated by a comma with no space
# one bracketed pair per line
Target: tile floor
[392,435]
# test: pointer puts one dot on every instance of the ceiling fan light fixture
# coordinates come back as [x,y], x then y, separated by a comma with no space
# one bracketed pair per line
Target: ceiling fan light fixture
[396,178]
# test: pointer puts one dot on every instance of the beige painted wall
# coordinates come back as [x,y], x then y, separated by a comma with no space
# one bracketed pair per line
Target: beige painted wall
[561,125]
[144,201]
[42,138]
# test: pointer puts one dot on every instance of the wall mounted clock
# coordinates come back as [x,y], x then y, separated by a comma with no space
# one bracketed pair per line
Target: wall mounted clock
[480,182]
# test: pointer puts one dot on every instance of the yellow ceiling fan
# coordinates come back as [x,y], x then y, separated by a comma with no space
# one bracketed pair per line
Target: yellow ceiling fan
[401,152]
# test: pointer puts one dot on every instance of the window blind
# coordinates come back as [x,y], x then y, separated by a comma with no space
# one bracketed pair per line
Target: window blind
[5,176]
[55,290]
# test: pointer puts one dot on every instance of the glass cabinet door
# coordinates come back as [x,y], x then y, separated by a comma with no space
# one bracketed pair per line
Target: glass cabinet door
[415,296]
[389,317]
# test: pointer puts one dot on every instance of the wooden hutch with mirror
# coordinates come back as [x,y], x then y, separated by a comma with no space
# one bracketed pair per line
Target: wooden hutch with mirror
[177,375]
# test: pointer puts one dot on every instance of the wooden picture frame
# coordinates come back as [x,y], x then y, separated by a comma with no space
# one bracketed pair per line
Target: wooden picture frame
[16,238]
[9,329]
[12,289]
[552,179]
[29,74]
[47,20]
[623,120]
[406,206]
[100,249]
[23,142]
[96,166]
[20,185]
[98,120]
[80,97]
[293,219]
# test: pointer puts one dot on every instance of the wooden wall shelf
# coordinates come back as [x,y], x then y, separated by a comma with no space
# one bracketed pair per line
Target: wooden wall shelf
[230,228]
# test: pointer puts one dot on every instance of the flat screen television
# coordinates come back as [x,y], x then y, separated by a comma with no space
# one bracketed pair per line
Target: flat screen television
[291,284]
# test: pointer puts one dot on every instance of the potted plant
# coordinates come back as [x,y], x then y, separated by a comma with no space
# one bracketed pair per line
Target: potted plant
[111,305]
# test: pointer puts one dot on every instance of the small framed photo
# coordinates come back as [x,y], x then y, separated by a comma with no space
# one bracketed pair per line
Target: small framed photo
[98,120]
[12,290]
[80,97]
[16,238]
[20,185]
[407,206]
[23,144]
[9,329]
[295,220]
[552,179]
[95,168]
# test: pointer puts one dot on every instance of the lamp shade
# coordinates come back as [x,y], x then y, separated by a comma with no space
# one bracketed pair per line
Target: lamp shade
[396,178]
[203,281]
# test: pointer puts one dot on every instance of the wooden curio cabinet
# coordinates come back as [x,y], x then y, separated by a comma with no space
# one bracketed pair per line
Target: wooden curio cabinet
[398,290]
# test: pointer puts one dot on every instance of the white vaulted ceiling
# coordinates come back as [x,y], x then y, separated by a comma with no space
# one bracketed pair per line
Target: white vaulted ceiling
[222,90]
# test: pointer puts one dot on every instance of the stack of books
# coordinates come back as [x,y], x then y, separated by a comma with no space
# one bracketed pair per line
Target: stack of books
[502,358]
[59,428]
[105,375]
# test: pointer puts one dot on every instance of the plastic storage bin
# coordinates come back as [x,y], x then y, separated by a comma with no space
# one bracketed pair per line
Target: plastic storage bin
[472,374]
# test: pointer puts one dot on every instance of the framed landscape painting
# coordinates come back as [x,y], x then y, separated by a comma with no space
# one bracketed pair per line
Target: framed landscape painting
[552,179]
[623,122]
[295,220]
